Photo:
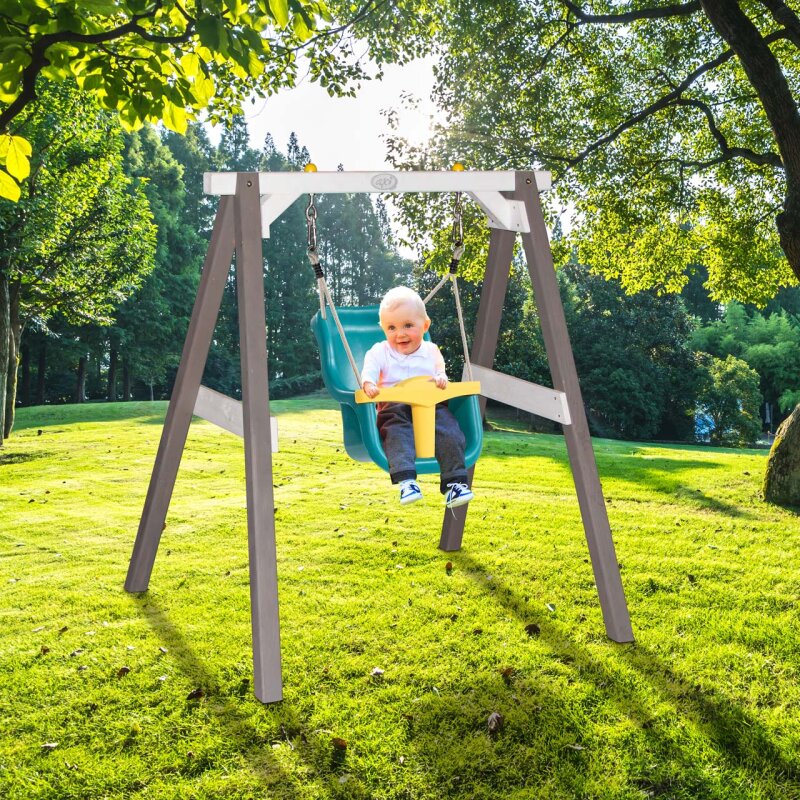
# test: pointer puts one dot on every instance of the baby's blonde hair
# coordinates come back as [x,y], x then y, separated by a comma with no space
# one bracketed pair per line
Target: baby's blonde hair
[402,296]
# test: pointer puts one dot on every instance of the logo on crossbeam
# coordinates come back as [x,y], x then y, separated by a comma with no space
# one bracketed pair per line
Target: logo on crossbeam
[384,181]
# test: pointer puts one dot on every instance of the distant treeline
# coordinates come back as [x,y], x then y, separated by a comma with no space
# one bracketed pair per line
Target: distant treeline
[667,367]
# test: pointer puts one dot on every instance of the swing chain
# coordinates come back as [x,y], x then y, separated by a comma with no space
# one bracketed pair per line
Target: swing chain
[311,224]
[457,235]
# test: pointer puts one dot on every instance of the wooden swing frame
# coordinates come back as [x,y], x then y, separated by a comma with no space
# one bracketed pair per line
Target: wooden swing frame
[249,203]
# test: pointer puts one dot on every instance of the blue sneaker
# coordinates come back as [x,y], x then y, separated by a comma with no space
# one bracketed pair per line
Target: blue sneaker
[458,494]
[409,492]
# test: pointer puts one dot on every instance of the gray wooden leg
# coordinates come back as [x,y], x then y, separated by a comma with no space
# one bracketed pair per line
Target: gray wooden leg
[184,393]
[484,345]
[257,442]
[579,444]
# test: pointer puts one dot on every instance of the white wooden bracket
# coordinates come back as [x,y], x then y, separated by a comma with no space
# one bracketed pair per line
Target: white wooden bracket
[508,215]
[531,397]
[272,206]
[226,412]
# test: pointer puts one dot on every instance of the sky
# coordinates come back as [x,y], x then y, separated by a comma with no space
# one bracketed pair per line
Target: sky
[345,130]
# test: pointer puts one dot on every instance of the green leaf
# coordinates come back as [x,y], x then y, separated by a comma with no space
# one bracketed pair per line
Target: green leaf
[175,118]
[17,157]
[279,11]
[209,30]
[9,188]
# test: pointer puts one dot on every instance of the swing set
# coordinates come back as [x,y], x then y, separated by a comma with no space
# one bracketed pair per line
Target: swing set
[249,203]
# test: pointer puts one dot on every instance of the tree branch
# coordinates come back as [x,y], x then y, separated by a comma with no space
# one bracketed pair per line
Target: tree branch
[783,15]
[39,58]
[728,152]
[664,102]
[631,16]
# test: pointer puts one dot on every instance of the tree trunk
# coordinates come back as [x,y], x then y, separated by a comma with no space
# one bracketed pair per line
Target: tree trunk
[112,375]
[80,384]
[5,344]
[25,380]
[13,363]
[41,370]
[126,382]
[151,392]
[782,479]
[765,73]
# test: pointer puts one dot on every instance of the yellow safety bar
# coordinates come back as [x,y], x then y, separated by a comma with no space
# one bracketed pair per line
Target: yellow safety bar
[422,394]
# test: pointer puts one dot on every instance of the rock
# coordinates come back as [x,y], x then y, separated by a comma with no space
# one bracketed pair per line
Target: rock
[782,478]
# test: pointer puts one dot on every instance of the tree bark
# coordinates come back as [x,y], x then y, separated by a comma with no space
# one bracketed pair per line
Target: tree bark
[41,371]
[25,379]
[111,394]
[80,384]
[15,338]
[782,478]
[5,343]
[126,382]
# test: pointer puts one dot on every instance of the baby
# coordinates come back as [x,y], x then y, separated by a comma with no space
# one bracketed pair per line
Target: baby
[405,354]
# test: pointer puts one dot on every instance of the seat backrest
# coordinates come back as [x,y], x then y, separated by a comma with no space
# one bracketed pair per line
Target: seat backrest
[362,327]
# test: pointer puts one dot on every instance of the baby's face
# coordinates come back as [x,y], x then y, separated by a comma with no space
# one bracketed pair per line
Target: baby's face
[404,327]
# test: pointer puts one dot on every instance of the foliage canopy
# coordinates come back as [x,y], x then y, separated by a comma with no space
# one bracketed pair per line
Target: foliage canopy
[152,60]
[673,134]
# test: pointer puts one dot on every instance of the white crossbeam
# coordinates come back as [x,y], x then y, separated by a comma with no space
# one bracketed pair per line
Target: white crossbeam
[226,412]
[530,397]
[293,183]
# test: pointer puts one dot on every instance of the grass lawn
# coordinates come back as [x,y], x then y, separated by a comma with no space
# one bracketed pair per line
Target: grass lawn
[104,694]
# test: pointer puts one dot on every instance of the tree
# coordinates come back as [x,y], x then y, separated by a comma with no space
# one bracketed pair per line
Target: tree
[671,128]
[769,344]
[731,400]
[154,60]
[656,122]
[81,239]
[151,324]
[639,377]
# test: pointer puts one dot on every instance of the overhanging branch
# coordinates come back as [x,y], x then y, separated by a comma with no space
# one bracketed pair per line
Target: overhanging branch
[636,14]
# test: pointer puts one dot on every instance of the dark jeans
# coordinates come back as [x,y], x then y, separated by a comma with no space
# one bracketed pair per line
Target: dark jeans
[397,435]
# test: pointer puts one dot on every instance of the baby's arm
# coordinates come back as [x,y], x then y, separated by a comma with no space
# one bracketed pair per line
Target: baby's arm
[440,374]
[370,374]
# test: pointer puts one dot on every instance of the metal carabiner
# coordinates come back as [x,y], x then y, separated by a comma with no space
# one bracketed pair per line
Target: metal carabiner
[311,222]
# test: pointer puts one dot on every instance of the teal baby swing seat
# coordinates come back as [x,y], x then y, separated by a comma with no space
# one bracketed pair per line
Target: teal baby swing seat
[359,420]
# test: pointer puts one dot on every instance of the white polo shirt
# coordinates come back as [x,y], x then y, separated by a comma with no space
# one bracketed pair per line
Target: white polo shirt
[386,367]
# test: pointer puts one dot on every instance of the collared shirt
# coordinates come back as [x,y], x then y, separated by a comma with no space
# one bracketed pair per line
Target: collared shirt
[386,367]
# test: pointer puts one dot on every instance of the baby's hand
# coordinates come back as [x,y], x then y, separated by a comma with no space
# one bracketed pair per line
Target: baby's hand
[441,381]
[370,389]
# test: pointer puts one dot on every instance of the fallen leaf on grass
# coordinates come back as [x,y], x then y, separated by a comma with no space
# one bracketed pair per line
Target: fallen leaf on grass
[49,745]
[576,747]
[122,671]
[377,673]
[76,652]
[533,629]
[45,650]
[195,694]
[550,607]
[448,567]
[339,744]
[507,673]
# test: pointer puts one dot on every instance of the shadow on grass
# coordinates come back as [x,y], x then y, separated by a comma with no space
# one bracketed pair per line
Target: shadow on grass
[10,457]
[739,740]
[239,714]
[657,476]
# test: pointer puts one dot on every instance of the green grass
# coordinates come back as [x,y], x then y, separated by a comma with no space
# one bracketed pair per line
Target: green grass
[705,704]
